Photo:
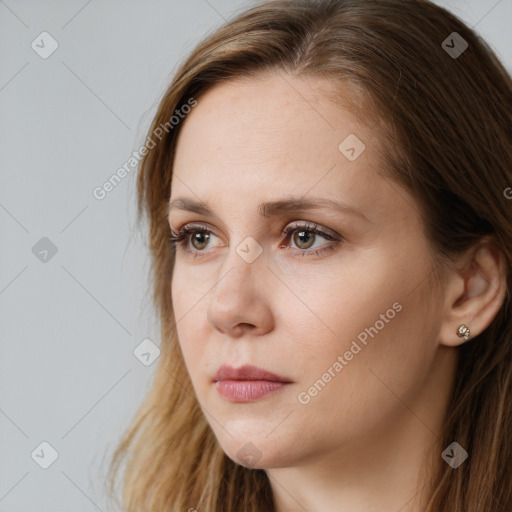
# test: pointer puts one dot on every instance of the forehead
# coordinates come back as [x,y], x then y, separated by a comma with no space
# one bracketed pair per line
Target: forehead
[275,123]
[250,141]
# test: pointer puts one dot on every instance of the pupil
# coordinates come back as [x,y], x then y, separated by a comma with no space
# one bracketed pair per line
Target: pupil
[305,237]
[198,236]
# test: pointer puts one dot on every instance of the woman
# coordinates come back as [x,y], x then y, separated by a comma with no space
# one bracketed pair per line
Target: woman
[330,236]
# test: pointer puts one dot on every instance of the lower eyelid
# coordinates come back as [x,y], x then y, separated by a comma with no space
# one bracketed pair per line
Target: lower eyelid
[315,252]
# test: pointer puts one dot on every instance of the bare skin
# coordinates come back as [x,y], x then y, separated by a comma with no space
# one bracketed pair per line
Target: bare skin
[362,440]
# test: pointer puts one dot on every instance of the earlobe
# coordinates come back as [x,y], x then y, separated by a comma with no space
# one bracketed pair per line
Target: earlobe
[463,332]
[474,293]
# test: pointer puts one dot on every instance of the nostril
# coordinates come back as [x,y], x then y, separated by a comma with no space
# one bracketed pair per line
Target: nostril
[243,327]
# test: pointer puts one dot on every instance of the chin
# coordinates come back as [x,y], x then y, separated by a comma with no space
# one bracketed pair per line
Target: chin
[258,452]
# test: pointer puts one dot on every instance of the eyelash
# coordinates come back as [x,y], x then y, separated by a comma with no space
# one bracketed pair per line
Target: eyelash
[183,237]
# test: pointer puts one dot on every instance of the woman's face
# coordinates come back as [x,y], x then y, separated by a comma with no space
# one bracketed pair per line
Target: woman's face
[344,315]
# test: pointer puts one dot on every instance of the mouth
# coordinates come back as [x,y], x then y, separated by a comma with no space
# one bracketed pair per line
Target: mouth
[247,383]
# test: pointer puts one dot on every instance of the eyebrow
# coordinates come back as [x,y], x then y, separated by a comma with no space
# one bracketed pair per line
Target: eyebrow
[271,208]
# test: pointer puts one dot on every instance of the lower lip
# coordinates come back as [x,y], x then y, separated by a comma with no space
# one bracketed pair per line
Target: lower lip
[247,390]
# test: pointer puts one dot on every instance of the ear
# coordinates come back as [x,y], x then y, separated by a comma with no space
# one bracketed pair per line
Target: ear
[474,292]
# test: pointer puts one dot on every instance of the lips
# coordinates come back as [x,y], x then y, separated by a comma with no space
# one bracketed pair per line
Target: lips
[247,383]
[247,372]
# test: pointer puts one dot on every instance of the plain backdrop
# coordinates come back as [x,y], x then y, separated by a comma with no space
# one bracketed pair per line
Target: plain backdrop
[74,302]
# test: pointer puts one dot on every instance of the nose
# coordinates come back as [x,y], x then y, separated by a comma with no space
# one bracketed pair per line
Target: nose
[240,301]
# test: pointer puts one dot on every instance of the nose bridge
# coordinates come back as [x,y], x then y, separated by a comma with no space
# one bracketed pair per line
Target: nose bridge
[239,272]
[239,296]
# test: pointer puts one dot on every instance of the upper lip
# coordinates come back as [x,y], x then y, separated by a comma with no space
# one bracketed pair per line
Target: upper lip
[247,372]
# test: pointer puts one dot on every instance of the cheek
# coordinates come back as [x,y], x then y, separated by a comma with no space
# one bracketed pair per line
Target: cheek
[374,319]
[189,318]
[189,290]
[364,386]
[339,302]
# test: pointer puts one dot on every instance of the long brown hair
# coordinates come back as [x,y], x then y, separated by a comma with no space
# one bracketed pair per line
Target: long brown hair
[447,123]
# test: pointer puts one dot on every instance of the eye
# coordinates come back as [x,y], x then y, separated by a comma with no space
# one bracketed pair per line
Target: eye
[197,235]
[305,235]
[194,239]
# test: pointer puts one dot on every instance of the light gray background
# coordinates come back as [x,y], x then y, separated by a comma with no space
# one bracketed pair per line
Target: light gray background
[68,375]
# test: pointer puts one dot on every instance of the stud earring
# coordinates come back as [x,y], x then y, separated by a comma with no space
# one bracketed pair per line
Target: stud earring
[463,332]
